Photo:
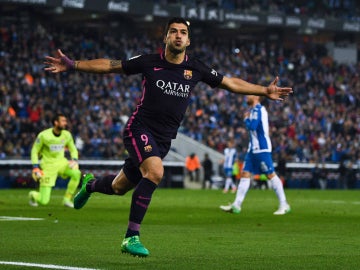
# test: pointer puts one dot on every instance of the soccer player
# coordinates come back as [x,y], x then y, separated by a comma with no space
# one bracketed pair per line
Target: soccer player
[258,158]
[50,145]
[168,81]
[230,156]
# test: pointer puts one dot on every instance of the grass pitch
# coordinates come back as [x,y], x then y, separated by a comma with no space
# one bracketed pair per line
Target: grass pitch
[185,229]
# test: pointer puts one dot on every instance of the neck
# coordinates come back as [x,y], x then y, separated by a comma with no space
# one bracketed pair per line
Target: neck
[56,131]
[174,58]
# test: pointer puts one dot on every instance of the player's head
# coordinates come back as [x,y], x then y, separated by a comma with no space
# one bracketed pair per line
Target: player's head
[177,20]
[252,100]
[231,143]
[177,35]
[59,121]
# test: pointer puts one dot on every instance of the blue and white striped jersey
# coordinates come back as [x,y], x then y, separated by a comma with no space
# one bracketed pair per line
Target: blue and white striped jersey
[230,157]
[258,126]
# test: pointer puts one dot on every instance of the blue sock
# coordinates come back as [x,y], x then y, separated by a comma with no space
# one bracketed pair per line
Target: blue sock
[140,202]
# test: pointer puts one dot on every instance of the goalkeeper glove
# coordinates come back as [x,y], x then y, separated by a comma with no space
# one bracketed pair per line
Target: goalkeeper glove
[37,173]
[73,164]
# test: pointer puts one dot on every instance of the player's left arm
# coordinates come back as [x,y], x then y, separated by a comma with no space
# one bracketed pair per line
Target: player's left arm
[239,86]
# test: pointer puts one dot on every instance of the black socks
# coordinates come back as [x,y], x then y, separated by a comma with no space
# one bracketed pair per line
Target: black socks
[140,201]
[103,185]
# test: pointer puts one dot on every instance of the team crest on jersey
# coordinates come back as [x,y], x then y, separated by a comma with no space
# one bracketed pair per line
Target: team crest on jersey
[187,74]
[148,148]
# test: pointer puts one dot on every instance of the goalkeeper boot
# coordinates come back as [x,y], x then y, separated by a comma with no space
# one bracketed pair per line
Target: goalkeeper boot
[230,208]
[82,196]
[68,203]
[32,200]
[133,246]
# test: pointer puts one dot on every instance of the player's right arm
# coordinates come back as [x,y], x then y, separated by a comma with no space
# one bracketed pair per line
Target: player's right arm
[62,63]
[35,150]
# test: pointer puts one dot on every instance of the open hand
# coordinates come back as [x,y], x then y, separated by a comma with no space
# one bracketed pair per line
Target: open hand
[277,93]
[58,64]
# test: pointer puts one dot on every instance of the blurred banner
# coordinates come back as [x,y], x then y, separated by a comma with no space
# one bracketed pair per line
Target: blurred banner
[142,7]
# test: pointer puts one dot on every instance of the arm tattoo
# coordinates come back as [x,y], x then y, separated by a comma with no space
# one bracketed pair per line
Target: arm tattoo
[115,63]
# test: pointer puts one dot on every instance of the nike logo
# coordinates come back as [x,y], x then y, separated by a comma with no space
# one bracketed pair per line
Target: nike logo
[157,68]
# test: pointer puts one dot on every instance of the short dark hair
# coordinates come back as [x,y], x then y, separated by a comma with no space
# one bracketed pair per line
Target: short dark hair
[177,20]
[57,117]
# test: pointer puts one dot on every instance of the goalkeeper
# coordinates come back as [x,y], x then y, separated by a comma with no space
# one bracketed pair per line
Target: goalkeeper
[50,146]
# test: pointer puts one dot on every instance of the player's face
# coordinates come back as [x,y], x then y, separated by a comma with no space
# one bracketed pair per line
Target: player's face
[250,100]
[177,38]
[61,123]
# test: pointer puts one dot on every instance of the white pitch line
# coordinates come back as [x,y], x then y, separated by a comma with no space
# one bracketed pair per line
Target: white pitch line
[7,218]
[46,266]
[334,201]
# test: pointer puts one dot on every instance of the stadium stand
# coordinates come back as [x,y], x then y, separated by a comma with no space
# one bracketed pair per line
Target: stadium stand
[319,122]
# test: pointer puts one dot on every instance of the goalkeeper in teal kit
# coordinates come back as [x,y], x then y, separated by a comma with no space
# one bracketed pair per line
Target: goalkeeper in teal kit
[49,149]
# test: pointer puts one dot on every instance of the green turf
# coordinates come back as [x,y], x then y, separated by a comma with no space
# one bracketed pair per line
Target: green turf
[185,229]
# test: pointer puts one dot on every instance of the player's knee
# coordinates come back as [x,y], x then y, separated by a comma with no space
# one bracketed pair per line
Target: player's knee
[155,175]
[152,169]
[44,200]
[120,187]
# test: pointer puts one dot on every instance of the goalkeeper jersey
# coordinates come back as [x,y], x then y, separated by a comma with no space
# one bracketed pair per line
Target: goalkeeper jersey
[50,147]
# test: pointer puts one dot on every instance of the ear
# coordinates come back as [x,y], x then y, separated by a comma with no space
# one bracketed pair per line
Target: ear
[164,40]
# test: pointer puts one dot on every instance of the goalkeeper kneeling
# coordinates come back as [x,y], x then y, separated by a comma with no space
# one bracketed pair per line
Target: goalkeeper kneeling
[50,145]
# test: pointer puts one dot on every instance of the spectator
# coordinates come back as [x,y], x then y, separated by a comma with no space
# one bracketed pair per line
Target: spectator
[207,165]
[319,176]
[192,165]
[351,175]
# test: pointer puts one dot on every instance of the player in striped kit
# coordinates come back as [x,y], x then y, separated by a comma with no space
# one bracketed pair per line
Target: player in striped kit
[258,158]
[230,155]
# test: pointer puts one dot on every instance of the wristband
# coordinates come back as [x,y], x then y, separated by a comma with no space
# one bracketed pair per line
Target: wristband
[35,166]
[70,64]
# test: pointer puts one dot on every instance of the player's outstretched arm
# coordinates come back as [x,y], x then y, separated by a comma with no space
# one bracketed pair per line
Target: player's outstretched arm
[240,86]
[62,63]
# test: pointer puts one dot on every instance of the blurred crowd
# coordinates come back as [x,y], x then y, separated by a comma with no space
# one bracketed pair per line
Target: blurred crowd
[319,122]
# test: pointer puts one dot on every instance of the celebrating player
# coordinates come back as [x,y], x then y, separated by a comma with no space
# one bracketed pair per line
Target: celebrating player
[168,81]
[50,146]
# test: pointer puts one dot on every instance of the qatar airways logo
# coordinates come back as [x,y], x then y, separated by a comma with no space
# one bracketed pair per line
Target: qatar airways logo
[174,88]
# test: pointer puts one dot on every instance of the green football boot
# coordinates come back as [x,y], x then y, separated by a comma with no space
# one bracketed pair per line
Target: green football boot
[133,246]
[82,196]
